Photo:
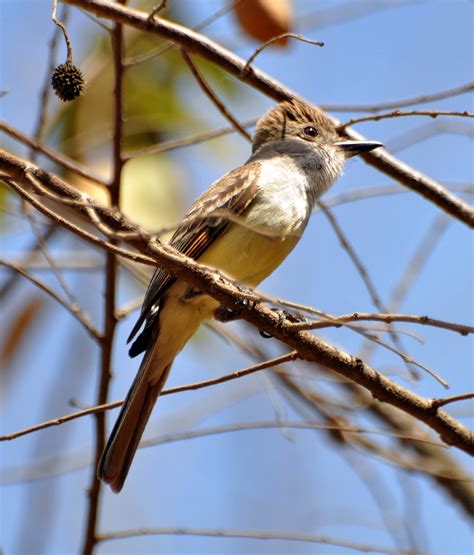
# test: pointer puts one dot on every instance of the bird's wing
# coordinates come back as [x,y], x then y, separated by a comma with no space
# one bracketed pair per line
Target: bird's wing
[199,229]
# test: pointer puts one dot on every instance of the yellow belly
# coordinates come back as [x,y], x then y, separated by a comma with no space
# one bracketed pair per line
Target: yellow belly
[239,254]
[247,256]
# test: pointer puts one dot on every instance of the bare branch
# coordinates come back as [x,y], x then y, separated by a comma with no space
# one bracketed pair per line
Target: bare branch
[63,29]
[370,286]
[110,319]
[436,403]
[72,309]
[194,42]
[249,534]
[161,6]
[422,99]
[302,38]
[399,114]
[187,141]
[60,159]
[308,346]
[179,389]
[140,58]
[213,97]
[387,318]
[13,277]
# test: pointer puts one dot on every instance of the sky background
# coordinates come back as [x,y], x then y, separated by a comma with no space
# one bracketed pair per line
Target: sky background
[260,480]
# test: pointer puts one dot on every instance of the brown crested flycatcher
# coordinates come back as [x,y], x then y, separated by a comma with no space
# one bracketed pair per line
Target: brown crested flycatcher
[296,157]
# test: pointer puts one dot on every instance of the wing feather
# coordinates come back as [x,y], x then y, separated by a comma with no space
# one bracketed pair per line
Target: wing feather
[199,229]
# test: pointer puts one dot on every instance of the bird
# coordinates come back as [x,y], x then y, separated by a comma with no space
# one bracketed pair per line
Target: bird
[244,225]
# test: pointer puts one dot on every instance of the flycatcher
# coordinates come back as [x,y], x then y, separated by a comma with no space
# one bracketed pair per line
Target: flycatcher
[296,157]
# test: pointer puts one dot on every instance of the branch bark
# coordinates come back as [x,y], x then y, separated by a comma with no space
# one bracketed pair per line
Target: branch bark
[308,346]
[199,44]
[110,317]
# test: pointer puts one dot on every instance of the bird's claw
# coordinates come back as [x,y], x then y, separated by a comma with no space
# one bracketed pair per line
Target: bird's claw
[293,317]
[225,314]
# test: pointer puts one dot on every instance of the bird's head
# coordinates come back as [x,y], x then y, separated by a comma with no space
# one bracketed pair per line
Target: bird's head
[299,121]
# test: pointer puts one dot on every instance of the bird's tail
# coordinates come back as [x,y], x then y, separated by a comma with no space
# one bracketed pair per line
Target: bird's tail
[123,441]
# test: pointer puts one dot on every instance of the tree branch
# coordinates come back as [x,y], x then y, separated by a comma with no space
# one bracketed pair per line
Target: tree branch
[399,114]
[387,318]
[199,44]
[72,309]
[110,318]
[57,157]
[248,534]
[308,346]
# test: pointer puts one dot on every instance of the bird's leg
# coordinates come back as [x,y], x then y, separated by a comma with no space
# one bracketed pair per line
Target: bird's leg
[225,314]
[293,317]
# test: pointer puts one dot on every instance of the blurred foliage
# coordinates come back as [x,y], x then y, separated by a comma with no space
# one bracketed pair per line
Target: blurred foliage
[154,110]
[265,19]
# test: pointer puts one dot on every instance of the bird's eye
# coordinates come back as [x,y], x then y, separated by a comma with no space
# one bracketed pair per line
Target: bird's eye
[310,131]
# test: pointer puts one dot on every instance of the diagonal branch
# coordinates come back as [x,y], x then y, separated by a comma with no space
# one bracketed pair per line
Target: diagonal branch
[61,159]
[213,97]
[72,309]
[308,346]
[199,44]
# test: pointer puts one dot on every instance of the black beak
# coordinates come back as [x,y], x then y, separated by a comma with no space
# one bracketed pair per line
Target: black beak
[352,148]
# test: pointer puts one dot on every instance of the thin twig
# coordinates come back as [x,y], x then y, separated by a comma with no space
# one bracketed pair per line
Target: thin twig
[412,271]
[161,6]
[213,97]
[399,114]
[74,310]
[418,261]
[248,534]
[387,318]
[373,192]
[369,284]
[140,58]
[187,141]
[436,403]
[128,308]
[271,425]
[61,159]
[199,44]
[52,263]
[90,536]
[309,347]
[422,99]
[45,94]
[425,132]
[63,29]
[289,357]
[343,12]
[6,288]
[297,36]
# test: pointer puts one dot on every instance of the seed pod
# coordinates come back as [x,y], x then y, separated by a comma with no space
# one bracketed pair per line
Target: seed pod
[68,82]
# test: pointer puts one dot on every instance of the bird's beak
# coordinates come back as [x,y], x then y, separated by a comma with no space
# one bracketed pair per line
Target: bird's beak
[352,148]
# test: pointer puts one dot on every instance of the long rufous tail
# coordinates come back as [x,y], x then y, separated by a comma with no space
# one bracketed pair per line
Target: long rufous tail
[123,441]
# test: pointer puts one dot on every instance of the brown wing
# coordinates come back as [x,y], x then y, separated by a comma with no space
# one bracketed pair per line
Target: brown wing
[199,229]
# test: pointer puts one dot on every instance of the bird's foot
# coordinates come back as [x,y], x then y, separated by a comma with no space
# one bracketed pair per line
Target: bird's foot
[293,317]
[225,314]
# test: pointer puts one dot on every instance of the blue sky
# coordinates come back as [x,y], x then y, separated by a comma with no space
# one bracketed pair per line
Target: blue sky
[260,480]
